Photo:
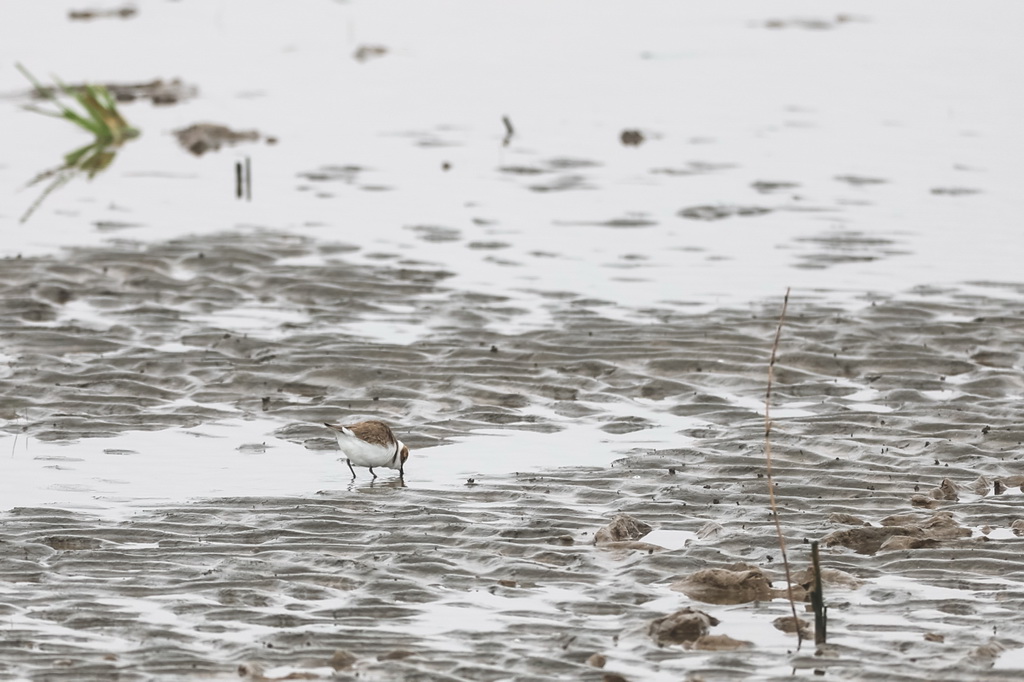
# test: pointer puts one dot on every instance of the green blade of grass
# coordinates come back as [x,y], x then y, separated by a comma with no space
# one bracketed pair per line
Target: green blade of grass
[32,79]
[101,117]
[36,110]
[96,121]
[72,159]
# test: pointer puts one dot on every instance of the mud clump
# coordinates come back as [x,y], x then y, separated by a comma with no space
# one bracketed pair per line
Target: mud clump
[365,53]
[126,12]
[790,626]
[682,627]
[720,643]
[720,212]
[631,138]
[899,532]
[724,586]
[200,138]
[342,660]
[157,91]
[623,528]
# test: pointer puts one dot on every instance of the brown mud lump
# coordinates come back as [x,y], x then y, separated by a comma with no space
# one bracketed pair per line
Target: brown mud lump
[623,528]
[867,540]
[204,137]
[947,490]
[724,586]
[631,138]
[913,533]
[683,626]
[720,643]
[342,660]
[840,519]
[396,655]
[791,626]
[830,577]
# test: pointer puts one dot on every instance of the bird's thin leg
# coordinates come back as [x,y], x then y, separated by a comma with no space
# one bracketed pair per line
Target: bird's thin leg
[371,473]
[349,462]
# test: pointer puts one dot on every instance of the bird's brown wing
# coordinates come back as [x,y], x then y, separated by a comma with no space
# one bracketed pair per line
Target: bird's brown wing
[374,432]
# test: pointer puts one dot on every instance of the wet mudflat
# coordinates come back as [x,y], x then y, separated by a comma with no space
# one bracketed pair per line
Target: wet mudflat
[493,581]
[548,244]
[897,444]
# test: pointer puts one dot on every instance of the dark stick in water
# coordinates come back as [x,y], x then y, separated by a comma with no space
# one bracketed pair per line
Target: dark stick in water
[818,599]
[509,130]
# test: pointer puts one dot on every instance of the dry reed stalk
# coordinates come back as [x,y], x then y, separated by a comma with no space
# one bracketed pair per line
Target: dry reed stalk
[768,467]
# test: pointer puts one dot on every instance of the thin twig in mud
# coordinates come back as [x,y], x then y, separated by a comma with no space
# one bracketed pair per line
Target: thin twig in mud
[768,467]
[509,131]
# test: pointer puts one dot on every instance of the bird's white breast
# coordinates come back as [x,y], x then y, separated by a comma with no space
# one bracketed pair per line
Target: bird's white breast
[361,453]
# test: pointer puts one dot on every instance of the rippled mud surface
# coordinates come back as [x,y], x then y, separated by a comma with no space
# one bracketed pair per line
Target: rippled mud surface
[553,260]
[499,580]
[897,444]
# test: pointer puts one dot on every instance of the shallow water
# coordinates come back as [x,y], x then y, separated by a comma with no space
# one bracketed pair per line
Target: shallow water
[562,328]
[843,134]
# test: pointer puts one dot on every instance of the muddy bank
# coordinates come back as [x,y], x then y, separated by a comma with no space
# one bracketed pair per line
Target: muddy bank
[897,443]
[498,580]
[275,326]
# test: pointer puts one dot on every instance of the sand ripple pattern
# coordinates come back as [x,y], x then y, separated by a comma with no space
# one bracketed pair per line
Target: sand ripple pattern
[489,582]
[903,414]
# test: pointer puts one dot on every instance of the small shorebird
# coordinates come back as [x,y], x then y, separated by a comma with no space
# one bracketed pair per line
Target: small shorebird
[370,444]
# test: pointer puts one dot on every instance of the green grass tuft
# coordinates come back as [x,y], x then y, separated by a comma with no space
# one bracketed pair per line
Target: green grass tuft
[100,118]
